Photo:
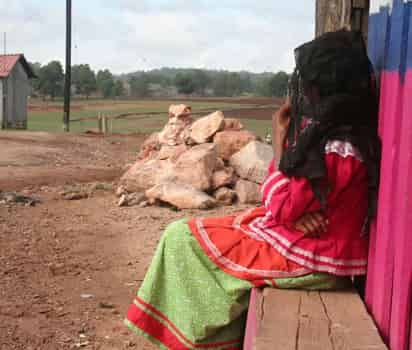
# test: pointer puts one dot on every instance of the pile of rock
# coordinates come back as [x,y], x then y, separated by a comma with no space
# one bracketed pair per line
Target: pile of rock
[199,163]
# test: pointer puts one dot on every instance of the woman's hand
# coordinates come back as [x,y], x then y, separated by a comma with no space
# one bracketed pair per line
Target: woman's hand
[312,224]
[280,122]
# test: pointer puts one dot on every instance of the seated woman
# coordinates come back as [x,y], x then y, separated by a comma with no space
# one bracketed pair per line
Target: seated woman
[310,231]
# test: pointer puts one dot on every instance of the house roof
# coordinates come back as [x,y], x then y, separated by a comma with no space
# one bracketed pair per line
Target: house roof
[7,63]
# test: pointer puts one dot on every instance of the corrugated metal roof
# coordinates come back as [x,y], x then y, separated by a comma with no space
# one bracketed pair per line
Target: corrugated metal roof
[7,63]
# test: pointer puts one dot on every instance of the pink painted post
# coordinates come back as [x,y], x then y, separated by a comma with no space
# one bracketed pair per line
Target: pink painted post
[378,33]
[379,298]
[402,284]
[252,322]
[389,288]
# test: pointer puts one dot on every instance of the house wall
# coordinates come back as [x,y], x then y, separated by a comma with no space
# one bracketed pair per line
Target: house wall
[389,280]
[16,98]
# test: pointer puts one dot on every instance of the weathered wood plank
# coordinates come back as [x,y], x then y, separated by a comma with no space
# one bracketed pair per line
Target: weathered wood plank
[351,327]
[332,15]
[299,320]
[314,325]
[279,320]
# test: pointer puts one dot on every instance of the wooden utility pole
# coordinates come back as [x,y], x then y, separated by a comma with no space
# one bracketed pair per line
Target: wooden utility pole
[67,80]
[332,15]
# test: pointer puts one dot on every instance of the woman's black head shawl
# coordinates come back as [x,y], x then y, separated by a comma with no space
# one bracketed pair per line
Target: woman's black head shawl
[333,98]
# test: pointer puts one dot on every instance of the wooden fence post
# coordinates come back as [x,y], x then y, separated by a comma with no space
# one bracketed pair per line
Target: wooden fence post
[99,122]
[104,122]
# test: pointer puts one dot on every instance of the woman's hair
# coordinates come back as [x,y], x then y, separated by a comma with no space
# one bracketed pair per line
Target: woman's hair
[333,98]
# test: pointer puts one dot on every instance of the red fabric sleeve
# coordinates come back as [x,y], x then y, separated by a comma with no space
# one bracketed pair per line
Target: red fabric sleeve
[288,198]
[271,168]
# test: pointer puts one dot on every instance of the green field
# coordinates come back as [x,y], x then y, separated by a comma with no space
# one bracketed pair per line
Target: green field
[47,116]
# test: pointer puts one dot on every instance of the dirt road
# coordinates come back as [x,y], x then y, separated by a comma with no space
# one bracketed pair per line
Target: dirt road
[69,269]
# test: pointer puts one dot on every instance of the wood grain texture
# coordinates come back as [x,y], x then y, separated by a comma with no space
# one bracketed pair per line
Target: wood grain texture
[351,325]
[299,320]
[332,15]
[279,323]
[314,324]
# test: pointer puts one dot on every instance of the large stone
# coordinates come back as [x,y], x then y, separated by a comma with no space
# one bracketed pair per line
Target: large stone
[225,195]
[176,131]
[144,175]
[179,111]
[196,166]
[203,129]
[171,152]
[149,147]
[224,177]
[232,124]
[252,161]
[248,192]
[220,164]
[132,199]
[230,142]
[182,196]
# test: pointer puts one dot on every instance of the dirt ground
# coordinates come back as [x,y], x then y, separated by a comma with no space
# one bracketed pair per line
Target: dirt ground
[69,269]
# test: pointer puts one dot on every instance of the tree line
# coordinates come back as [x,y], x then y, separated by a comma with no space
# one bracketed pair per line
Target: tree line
[164,82]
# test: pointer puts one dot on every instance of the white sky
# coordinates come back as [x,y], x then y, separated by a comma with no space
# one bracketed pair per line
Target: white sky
[129,35]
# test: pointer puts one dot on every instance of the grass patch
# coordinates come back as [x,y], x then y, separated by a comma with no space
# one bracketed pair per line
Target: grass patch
[259,127]
[47,116]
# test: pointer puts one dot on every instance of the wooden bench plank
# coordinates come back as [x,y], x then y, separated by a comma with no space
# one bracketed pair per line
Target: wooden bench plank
[314,325]
[351,325]
[299,320]
[279,320]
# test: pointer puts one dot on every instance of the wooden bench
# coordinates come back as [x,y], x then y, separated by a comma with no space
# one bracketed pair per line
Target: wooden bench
[300,320]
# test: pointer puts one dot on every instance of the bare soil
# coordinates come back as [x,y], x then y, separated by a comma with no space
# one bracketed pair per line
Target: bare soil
[255,113]
[69,269]
[29,159]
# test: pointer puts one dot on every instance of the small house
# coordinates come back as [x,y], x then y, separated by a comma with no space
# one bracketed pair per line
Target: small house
[15,75]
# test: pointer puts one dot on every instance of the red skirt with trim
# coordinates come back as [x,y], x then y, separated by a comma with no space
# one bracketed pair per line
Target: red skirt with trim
[232,246]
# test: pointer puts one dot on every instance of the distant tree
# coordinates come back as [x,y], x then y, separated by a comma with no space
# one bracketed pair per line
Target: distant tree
[119,89]
[201,81]
[35,83]
[185,83]
[246,84]
[51,79]
[105,83]
[139,86]
[227,84]
[220,84]
[234,84]
[274,86]
[156,77]
[278,85]
[84,79]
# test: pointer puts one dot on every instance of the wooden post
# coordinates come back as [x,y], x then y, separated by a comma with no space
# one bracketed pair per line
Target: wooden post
[99,122]
[67,75]
[104,124]
[332,15]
